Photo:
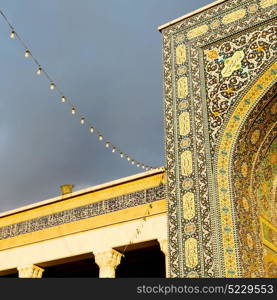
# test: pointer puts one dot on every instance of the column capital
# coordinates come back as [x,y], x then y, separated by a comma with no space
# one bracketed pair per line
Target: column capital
[29,271]
[107,262]
[108,258]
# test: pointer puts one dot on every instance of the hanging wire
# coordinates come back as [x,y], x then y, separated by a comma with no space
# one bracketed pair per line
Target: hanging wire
[138,229]
[14,34]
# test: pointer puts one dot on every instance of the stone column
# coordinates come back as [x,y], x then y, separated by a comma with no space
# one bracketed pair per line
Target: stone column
[107,262]
[30,271]
[164,248]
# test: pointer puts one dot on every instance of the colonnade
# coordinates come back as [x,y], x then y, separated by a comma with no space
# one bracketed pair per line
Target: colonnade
[107,262]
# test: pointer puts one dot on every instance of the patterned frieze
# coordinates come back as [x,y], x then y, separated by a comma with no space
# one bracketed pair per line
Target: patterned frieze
[84,212]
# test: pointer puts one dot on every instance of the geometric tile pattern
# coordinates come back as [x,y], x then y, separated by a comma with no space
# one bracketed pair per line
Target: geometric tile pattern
[211,60]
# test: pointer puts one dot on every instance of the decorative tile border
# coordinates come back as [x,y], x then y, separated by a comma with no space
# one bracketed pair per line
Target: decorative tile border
[84,212]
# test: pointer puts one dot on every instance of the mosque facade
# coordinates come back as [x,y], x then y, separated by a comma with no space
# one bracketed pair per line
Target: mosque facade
[220,124]
[212,210]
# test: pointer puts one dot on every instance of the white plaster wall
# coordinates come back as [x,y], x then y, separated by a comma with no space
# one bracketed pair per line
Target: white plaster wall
[96,240]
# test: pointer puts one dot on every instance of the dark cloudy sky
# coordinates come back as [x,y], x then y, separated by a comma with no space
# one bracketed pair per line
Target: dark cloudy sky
[106,55]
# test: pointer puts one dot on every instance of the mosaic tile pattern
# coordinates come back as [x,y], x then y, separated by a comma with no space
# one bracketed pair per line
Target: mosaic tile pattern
[84,212]
[230,66]
[265,180]
[258,134]
[226,174]
[205,57]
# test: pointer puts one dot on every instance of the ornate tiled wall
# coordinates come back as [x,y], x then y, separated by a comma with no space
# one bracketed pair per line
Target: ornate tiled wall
[219,75]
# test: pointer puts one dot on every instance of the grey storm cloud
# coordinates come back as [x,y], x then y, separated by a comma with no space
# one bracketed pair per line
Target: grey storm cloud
[107,58]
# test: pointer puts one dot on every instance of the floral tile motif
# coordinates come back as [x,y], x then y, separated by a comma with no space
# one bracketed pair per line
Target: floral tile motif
[211,59]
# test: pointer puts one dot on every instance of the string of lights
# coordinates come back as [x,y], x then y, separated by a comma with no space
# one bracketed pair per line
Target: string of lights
[73,108]
[138,229]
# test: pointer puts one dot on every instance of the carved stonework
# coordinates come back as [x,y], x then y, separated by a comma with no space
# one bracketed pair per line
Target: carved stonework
[84,212]
[30,271]
[107,262]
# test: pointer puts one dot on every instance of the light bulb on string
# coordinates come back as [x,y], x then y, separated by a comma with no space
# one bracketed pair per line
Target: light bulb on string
[27,53]
[107,144]
[12,35]
[39,70]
